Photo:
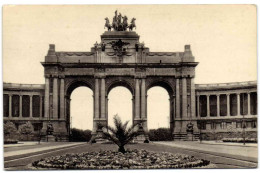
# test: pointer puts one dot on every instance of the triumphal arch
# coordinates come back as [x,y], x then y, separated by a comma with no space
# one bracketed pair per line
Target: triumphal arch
[119,59]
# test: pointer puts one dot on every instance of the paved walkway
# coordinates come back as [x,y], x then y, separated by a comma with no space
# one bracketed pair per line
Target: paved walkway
[22,151]
[230,143]
[21,144]
[239,150]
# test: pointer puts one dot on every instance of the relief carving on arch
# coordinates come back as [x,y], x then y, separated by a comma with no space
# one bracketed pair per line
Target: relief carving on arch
[114,80]
[89,81]
[170,81]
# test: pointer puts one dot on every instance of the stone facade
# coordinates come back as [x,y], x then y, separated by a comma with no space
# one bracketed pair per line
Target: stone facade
[227,108]
[121,60]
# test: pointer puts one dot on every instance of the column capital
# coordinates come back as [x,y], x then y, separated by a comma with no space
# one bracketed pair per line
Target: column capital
[61,76]
[30,95]
[99,77]
[238,93]
[138,77]
[47,75]
[217,94]
[10,95]
[55,75]
[228,94]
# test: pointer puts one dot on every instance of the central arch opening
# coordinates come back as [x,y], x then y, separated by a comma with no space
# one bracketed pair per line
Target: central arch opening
[81,108]
[120,103]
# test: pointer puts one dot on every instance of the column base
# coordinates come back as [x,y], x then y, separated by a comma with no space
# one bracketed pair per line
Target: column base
[182,131]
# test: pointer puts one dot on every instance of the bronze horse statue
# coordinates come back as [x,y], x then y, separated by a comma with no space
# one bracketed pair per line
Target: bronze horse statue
[125,23]
[132,25]
[107,24]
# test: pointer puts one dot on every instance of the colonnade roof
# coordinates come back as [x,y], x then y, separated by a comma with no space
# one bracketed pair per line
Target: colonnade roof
[231,85]
[23,86]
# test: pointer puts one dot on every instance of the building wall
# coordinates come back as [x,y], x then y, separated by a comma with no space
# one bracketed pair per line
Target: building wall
[227,109]
[22,103]
[221,109]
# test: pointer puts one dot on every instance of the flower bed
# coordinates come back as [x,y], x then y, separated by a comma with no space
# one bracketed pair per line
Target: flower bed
[134,159]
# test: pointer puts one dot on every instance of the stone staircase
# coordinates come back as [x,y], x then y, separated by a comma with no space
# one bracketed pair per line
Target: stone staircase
[185,137]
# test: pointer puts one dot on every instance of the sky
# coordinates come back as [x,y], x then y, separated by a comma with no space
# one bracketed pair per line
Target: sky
[222,39]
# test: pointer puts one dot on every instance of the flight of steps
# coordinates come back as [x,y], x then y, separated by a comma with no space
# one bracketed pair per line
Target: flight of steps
[185,137]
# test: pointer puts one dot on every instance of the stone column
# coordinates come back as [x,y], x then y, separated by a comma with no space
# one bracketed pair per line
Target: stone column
[208,107]
[137,99]
[248,104]
[103,99]
[173,107]
[96,99]
[47,98]
[171,102]
[218,106]
[21,106]
[228,105]
[133,108]
[62,97]
[177,107]
[55,98]
[192,99]
[10,105]
[106,107]
[198,105]
[238,103]
[40,106]
[31,115]
[143,100]
[184,98]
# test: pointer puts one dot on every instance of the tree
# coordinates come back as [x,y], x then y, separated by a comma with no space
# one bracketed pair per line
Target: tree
[78,135]
[120,135]
[26,129]
[10,131]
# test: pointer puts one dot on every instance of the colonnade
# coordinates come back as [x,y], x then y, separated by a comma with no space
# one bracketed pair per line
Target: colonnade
[228,114]
[10,115]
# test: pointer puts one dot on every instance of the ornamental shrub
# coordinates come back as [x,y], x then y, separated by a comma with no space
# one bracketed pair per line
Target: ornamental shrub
[26,129]
[78,135]
[121,134]
[10,132]
[161,134]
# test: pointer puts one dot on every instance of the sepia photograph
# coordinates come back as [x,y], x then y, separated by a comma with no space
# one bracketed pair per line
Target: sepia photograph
[104,87]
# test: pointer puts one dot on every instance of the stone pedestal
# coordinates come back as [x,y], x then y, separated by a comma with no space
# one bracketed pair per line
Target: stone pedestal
[48,138]
[189,137]
[140,139]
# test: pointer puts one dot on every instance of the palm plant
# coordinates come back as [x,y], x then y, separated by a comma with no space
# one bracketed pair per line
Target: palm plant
[121,134]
